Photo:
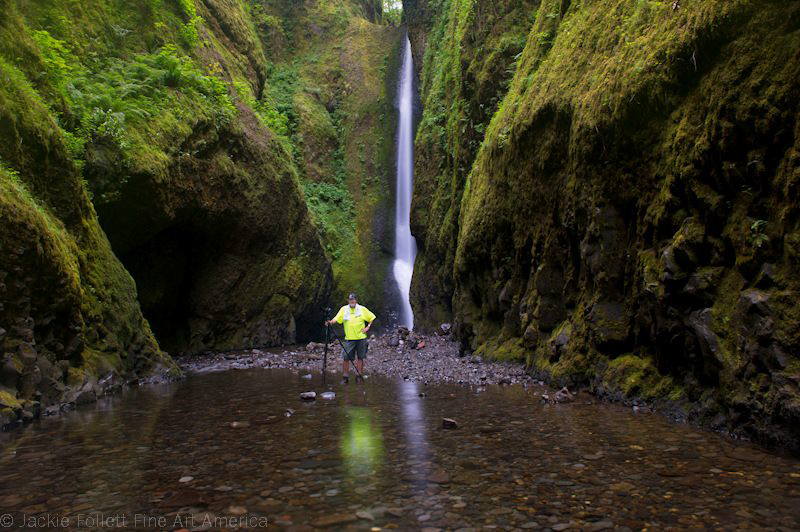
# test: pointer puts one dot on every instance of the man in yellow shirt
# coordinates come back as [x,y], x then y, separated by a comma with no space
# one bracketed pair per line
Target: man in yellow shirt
[357,320]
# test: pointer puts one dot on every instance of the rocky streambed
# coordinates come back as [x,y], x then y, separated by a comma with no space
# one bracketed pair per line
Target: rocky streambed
[410,356]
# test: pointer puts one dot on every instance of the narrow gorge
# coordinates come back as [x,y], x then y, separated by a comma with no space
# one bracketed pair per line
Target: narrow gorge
[576,221]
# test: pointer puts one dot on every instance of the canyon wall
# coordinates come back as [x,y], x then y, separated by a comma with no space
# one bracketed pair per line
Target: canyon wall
[626,216]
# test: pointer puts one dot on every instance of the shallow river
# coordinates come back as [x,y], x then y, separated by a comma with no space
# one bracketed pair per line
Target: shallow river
[219,450]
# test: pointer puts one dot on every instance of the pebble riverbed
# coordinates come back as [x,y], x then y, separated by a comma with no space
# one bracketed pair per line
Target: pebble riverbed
[437,361]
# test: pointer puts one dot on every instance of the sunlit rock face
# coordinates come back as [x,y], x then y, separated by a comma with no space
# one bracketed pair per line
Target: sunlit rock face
[621,217]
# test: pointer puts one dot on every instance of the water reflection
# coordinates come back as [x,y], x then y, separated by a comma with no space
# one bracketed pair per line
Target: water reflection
[415,431]
[222,444]
[362,443]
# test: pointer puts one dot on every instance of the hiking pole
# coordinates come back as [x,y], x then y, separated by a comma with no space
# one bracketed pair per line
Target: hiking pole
[326,311]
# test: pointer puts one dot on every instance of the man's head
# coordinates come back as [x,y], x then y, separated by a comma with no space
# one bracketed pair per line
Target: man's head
[352,300]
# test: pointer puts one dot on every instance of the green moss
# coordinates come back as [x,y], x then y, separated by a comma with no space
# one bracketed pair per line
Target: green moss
[9,402]
[637,377]
[510,349]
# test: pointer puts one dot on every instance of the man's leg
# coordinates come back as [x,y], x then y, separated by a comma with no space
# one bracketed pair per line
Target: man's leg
[347,355]
[361,355]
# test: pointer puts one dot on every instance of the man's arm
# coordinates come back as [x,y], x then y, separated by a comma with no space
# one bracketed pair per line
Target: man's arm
[369,318]
[336,319]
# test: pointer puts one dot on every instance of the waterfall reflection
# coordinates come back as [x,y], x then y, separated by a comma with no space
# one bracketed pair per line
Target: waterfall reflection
[417,448]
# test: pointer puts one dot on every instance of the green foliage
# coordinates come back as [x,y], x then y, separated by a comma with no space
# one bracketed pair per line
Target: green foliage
[282,84]
[57,57]
[333,210]
[189,30]
[757,236]
[392,12]
[126,93]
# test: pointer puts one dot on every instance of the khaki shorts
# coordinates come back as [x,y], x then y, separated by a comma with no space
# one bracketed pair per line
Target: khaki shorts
[353,348]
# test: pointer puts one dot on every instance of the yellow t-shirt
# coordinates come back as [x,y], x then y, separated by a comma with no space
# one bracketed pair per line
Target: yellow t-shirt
[354,320]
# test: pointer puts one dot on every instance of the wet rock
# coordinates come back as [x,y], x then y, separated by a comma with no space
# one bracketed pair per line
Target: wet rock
[393,341]
[364,514]
[449,423]
[85,395]
[600,525]
[530,338]
[10,371]
[288,412]
[308,396]
[239,424]
[327,395]
[444,329]
[702,285]
[185,479]
[766,278]
[609,324]
[184,498]
[563,396]
[754,302]
[439,477]
[306,376]
[334,520]
[701,324]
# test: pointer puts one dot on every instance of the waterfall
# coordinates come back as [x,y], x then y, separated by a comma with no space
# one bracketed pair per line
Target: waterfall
[405,247]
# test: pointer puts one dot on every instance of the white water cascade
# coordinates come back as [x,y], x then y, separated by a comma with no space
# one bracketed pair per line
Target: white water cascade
[405,247]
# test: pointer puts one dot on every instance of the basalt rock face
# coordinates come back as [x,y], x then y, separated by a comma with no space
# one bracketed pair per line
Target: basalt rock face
[146,115]
[466,56]
[630,221]
[70,324]
[225,254]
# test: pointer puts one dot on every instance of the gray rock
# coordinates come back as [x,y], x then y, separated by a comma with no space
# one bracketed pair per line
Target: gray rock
[449,423]
[86,395]
[755,302]
[308,396]
[563,396]
[9,372]
[327,395]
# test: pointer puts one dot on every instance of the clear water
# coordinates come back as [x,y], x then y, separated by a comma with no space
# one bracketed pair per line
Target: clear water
[405,246]
[381,448]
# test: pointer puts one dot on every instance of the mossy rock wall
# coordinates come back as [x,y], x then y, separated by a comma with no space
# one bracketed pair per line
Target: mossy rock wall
[468,62]
[630,219]
[70,324]
[238,153]
[334,77]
